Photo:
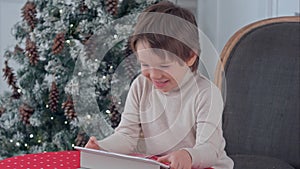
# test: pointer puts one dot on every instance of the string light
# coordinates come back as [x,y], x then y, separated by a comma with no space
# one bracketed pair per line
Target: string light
[47,106]
[11,140]
[107,111]
[19,91]
[68,41]
[73,145]
[66,122]
[39,141]
[103,77]
[18,144]
[71,25]
[79,73]
[51,118]
[88,116]
[26,145]
[31,135]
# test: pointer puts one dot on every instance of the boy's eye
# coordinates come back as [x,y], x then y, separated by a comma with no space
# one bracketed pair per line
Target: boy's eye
[164,66]
[145,65]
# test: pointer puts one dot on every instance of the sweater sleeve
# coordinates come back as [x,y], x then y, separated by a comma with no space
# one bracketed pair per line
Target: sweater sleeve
[124,139]
[209,137]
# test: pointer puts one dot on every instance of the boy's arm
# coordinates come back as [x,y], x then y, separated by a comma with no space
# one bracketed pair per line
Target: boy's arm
[209,137]
[126,135]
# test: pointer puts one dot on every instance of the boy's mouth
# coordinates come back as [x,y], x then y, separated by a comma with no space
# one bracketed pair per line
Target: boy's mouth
[160,83]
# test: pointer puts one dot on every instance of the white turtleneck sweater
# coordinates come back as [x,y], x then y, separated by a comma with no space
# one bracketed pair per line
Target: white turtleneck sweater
[188,117]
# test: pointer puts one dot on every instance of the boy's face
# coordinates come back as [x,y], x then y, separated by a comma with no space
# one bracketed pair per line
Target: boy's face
[163,72]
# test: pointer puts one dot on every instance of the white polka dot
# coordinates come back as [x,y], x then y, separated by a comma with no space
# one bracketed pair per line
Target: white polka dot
[28,162]
[8,160]
[22,160]
[69,153]
[68,158]
[28,157]
[34,165]
[48,165]
[61,165]
[35,155]
[34,159]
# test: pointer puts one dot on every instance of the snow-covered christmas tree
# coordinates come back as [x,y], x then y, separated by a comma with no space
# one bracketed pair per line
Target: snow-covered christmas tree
[74,72]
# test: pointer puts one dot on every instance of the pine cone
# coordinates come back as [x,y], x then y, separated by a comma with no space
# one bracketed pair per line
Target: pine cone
[90,47]
[2,110]
[112,7]
[128,50]
[31,52]
[9,75]
[29,14]
[53,97]
[59,42]
[16,94]
[11,80]
[25,112]
[81,139]
[129,64]
[69,110]
[115,116]
[83,7]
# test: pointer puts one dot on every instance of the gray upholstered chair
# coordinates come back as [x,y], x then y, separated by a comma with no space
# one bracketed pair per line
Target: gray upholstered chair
[259,74]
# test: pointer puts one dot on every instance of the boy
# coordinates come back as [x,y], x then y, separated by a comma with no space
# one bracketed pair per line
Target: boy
[170,108]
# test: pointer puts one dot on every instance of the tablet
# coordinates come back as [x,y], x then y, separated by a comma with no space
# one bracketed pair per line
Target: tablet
[91,158]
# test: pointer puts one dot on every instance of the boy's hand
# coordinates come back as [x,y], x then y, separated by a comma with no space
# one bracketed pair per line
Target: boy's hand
[92,143]
[178,159]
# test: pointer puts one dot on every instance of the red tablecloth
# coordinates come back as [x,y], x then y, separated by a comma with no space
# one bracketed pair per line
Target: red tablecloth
[49,160]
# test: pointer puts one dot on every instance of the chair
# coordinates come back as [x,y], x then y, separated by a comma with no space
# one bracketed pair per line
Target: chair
[259,76]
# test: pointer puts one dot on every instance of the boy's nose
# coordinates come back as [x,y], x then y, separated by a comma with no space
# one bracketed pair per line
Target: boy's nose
[155,73]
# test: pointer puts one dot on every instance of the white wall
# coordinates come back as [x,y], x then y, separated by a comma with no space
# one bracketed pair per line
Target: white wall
[220,19]
[10,14]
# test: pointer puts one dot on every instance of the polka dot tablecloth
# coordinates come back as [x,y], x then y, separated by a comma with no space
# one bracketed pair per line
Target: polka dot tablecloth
[49,160]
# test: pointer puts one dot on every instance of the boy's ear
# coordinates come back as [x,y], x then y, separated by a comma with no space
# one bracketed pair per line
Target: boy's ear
[192,59]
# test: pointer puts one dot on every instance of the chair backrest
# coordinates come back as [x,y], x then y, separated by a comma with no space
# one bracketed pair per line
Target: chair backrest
[259,77]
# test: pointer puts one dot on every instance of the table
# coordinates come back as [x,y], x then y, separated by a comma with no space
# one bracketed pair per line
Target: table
[48,160]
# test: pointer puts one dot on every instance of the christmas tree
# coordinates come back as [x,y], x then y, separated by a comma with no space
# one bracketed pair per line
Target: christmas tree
[74,72]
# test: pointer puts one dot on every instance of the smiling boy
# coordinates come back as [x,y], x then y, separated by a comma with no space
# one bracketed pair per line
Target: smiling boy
[176,110]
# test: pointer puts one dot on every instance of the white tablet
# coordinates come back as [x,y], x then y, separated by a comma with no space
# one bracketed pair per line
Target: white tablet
[98,159]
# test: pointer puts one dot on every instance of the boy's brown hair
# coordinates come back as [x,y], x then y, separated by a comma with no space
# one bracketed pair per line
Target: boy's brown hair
[169,27]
